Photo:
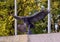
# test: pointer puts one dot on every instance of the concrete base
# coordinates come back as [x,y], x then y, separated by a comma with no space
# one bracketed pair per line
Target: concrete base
[52,37]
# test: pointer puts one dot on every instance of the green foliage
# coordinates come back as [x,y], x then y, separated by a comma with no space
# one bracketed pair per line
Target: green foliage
[6,21]
[25,8]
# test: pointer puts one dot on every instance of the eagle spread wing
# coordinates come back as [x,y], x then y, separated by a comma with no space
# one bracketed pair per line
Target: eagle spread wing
[35,17]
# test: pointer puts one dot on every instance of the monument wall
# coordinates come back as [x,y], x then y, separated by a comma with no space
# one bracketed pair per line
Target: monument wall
[52,37]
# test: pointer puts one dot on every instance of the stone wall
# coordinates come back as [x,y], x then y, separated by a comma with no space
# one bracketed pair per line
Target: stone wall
[19,38]
[52,37]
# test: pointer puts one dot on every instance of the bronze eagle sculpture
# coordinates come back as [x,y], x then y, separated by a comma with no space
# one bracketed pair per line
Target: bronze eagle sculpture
[28,20]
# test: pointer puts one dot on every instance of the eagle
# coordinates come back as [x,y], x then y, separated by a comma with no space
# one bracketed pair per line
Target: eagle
[29,20]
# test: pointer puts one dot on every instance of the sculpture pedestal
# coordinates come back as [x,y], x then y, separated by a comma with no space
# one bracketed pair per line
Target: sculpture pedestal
[52,37]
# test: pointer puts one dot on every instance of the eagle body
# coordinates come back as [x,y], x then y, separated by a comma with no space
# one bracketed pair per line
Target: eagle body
[34,18]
